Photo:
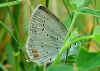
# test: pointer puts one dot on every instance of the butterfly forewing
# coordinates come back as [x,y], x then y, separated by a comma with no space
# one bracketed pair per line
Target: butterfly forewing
[46,36]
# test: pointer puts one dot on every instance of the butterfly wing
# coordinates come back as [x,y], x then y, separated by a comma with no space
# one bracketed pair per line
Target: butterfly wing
[46,36]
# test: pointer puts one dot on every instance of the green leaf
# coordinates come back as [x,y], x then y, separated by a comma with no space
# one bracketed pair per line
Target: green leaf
[68,20]
[7,29]
[97,38]
[81,3]
[88,60]
[1,34]
[60,67]
[74,35]
[10,3]
[97,34]
[67,5]
[89,11]
[2,68]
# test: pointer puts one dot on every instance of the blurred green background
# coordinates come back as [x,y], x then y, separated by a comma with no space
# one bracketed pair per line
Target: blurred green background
[14,20]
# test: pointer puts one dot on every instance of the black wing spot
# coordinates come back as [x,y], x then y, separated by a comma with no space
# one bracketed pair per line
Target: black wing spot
[57,38]
[42,42]
[43,24]
[47,52]
[57,49]
[47,34]
[50,59]
[45,56]
[43,21]
[42,46]
[43,29]
[75,44]
[35,31]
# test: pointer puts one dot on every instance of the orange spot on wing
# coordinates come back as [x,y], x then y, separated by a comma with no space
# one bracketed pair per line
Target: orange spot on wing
[36,55]
[34,51]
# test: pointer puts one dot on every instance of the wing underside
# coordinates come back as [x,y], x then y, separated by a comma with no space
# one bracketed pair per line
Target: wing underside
[46,36]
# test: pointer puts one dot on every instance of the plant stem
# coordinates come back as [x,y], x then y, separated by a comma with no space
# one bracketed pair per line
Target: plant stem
[7,29]
[2,67]
[66,44]
[10,3]
[71,26]
[67,5]
[47,3]
[83,38]
[60,53]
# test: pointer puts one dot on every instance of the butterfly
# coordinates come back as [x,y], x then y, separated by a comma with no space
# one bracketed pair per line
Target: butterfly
[46,36]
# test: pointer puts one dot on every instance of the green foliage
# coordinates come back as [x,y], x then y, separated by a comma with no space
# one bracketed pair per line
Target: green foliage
[89,11]
[97,34]
[74,35]
[67,5]
[68,21]
[60,67]
[10,3]
[7,29]
[81,3]
[2,68]
[88,60]
[78,6]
